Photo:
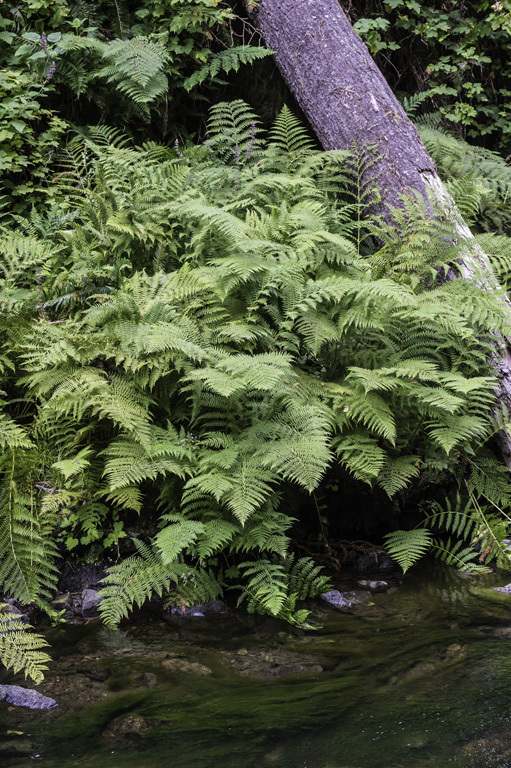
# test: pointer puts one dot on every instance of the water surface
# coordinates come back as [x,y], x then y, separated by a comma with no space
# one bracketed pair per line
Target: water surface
[420,677]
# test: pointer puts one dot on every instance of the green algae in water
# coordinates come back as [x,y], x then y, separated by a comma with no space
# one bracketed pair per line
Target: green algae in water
[423,683]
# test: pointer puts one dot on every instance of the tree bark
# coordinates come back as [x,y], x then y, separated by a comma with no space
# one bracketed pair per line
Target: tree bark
[346,99]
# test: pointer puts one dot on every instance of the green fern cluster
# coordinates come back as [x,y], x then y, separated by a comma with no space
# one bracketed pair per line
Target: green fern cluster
[200,330]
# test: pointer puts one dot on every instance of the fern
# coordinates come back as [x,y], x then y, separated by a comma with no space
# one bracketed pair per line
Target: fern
[135,67]
[225,61]
[22,650]
[406,547]
[207,331]
[274,586]
[134,580]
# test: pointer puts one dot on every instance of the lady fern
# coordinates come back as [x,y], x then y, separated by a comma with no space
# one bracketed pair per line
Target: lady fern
[215,330]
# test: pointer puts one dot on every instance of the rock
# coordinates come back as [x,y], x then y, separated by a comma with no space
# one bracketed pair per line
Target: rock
[506,589]
[189,667]
[128,729]
[149,680]
[343,601]
[25,697]
[416,743]
[90,603]
[374,586]
[376,562]
[14,612]
[211,608]
[278,662]
[242,652]
[62,602]
[492,751]
[15,748]
[267,672]
[496,595]
[503,632]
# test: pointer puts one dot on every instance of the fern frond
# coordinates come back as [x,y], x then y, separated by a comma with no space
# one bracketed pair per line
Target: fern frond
[406,547]
[20,649]
[225,61]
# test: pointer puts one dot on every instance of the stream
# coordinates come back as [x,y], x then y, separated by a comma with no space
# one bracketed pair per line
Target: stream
[419,676]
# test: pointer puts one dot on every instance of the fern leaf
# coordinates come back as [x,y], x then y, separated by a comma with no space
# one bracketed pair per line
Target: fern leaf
[406,547]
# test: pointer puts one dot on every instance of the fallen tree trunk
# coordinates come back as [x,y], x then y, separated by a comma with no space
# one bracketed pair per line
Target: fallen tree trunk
[347,100]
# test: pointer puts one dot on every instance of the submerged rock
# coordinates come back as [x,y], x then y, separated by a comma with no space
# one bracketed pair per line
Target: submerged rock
[498,595]
[182,665]
[127,730]
[15,748]
[275,663]
[25,697]
[149,680]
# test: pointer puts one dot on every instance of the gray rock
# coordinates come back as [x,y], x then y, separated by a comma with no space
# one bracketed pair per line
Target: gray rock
[14,612]
[343,601]
[374,586]
[25,697]
[90,602]
[506,589]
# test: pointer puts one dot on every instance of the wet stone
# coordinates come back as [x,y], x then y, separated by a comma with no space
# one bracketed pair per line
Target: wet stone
[149,680]
[15,748]
[188,667]
[344,601]
[128,730]
[506,589]
[374,586]
[269,665]
[25,697]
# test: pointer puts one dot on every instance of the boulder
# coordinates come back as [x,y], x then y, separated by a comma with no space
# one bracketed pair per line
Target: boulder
[90,603]
[79,577]
[14,612]
[25,697]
